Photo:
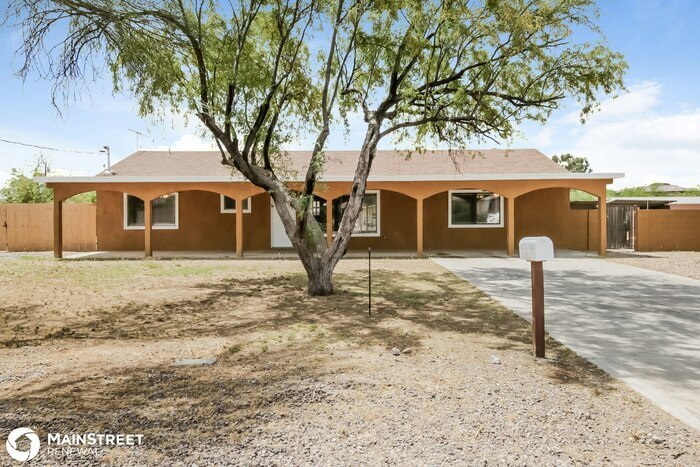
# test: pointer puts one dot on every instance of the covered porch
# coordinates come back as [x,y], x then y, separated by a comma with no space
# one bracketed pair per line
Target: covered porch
[415,223]
[291,255]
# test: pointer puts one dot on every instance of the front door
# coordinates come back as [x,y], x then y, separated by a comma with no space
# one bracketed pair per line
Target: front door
[278,237]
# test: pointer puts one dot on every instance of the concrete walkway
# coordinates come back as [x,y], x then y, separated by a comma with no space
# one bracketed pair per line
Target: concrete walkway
[641,326]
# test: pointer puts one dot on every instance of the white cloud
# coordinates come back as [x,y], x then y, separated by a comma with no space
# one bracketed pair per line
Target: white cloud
[640,98]
[631,134]
[4,177]
[188,142]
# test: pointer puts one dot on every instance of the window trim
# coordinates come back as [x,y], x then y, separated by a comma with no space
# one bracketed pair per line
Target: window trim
[450,225]
[153,227]
[378,233]
[223,210]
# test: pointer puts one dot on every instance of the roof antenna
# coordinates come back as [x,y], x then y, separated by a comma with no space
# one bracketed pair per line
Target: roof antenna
[109,164]
[138,133]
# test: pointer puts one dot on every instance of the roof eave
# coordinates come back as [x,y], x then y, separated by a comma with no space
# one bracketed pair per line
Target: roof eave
[337,178]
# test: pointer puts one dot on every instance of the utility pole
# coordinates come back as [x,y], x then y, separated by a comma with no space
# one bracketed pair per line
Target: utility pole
[138,133]
[109,163]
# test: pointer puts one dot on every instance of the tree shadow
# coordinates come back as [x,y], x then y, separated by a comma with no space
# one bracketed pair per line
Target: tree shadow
[177,408]
[406,307]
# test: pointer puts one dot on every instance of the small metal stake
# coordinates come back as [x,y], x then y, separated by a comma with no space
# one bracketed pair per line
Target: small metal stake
[537,307]
[369,278]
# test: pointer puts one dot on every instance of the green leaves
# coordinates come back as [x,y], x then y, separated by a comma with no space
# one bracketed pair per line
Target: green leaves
[573,163]
[23,189]
[443,70]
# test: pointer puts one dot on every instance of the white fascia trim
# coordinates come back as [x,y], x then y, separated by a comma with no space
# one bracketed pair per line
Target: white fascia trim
[342,178]
[133,179]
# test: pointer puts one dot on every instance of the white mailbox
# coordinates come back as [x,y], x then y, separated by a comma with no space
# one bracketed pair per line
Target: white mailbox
[536,248]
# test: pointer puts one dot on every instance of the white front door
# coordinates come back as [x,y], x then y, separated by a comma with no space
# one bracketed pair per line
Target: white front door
[278,237]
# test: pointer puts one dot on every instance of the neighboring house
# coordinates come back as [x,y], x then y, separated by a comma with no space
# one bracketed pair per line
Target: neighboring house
[665,188]
[432,201]
[658,202]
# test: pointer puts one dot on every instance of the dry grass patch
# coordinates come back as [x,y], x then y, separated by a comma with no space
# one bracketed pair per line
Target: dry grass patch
[89,346]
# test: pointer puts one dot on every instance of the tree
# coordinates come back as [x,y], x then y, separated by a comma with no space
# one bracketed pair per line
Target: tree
[643,191]
[22,189]
[257,73]
[573,163]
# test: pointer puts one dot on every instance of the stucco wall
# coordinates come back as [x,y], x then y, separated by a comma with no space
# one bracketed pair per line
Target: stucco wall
[543,212]
[668,230]
[438,236]
[398,225]
[201,225]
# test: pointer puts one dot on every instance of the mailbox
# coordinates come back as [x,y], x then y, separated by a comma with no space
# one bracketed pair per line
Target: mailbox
[536,248]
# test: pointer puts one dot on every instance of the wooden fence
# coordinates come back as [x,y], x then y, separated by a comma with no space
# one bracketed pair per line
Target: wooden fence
[667,230]
[29,227]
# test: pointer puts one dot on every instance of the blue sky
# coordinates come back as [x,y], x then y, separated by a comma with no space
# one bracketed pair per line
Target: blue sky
[652,133]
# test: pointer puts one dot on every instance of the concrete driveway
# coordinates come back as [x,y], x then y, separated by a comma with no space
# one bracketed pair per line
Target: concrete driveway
[641,326]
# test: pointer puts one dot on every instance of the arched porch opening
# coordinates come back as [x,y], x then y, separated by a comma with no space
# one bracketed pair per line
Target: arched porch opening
[193,220]
[548,212]
[465,217]
[61,196]
[387,220]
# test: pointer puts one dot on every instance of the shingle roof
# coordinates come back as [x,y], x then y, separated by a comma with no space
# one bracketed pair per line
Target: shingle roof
[342,163]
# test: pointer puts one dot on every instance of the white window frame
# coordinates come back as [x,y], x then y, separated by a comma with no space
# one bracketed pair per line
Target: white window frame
[231,211]
[474,226]
[153,227]
[378,233]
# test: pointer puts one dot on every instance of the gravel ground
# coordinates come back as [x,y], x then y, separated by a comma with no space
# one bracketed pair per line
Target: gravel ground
[681,263]
[301,380]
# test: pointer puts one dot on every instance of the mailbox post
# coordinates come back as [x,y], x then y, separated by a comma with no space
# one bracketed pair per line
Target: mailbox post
[536,250]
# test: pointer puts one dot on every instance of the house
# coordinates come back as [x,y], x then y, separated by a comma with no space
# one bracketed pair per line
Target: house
[665,188]
[658,202]
[432,201]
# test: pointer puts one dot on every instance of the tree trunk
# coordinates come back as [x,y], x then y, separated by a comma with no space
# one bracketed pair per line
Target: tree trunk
[319,271]
[320,278]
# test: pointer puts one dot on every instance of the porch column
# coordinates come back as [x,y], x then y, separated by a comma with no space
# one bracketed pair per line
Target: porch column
[510,225]
[419,227]
[239,227]
[603,224]
[329,221]
[57,228]
[147,228]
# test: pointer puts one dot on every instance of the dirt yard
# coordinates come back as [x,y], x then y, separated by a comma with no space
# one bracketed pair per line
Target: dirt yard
[681,263]
[89,346]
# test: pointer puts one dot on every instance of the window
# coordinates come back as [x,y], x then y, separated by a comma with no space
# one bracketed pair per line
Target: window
[318,210]
[229,204]
[368,221]
[164,212]
[474,209]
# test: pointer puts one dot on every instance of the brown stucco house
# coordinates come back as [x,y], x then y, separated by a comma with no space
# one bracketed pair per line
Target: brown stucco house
[431,202]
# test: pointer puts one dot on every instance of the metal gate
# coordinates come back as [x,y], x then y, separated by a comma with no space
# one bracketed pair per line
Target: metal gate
[620,226]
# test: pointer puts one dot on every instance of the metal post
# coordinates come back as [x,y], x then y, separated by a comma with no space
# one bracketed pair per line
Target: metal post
[369,278]
[537,307]
[109,162]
